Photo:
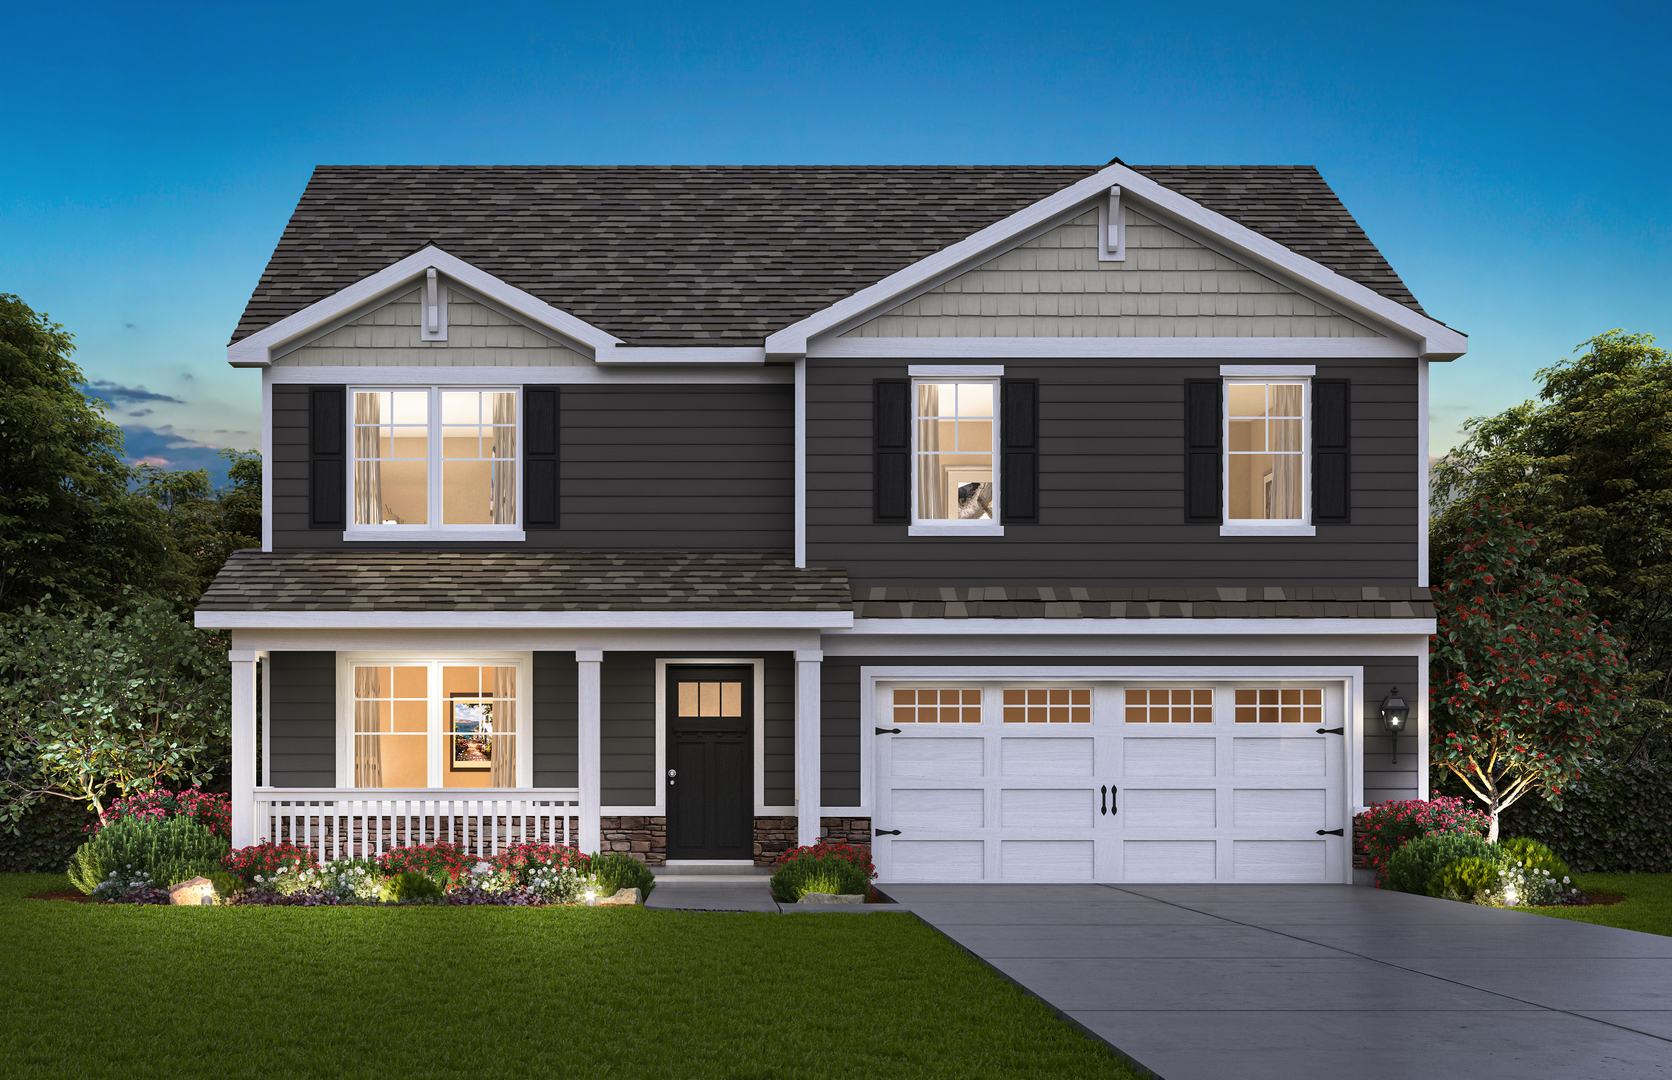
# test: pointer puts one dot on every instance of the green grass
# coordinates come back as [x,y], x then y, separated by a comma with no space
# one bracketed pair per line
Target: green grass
[404,993]
[1647,905]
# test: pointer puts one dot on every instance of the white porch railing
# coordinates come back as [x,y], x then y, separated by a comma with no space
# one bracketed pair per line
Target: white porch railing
[343,823]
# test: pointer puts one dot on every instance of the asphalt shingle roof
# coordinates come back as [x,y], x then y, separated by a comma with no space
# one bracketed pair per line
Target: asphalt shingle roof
[1197,602]
[725,255]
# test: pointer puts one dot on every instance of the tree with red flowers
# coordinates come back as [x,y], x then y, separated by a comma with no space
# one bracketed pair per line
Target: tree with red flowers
[1522,676]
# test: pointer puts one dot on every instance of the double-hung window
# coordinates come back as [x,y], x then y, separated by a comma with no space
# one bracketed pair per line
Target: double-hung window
[441,460]
[434,723]
[1266,436]
[954,446]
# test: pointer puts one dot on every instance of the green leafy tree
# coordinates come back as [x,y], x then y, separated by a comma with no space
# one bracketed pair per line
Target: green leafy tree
[1589,468]
[95,702]
[1522,676]
[68,522]
[202,525]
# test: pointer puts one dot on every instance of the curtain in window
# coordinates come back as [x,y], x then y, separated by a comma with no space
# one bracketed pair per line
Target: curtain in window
[504,773]
[368,471]
[368,745]
[504,483]
[931,488]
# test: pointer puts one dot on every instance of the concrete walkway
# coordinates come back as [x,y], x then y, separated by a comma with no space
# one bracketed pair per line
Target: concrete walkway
[712,888]
[1208,982]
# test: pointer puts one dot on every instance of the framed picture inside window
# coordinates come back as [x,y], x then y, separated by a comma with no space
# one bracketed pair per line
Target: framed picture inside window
[470,732]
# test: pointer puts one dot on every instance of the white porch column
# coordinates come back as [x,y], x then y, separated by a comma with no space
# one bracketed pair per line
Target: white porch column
[243,746]
[808,796]
[589,747]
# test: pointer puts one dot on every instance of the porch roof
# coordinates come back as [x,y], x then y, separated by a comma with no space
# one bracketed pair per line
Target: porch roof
[1181,602]
[662,581]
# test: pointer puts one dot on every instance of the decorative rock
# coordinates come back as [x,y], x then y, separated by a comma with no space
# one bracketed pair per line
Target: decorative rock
[622,896]
[199,890]
[833,898]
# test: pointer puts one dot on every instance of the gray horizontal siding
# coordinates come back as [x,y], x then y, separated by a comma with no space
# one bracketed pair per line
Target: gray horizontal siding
[555,720]
[1112,487]
[778,769]
[303,715]
[687,468]
[840,689]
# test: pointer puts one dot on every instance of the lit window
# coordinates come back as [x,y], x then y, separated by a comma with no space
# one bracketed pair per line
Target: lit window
[1029,706]
[944,706]
[953,440]
[434,724]
[1265,451]
[1171,705]
[1264,705]
[435,458]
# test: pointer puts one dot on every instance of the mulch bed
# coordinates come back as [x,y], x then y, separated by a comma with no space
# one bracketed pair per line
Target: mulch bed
[61,894]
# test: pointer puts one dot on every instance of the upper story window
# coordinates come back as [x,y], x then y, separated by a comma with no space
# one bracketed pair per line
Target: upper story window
[955,435]
[435,458]
[1265,452]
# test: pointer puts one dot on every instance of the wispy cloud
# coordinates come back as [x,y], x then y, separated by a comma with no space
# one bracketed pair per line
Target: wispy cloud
[117,394]
[162,447]
[142,412]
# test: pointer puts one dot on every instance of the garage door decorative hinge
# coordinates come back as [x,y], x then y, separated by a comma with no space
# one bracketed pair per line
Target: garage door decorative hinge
[1331,731]
[888,832]
[1331,832]
[888,731]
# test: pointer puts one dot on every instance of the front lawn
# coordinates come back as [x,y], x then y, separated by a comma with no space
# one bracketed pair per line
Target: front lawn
[131,991]
[1647,905]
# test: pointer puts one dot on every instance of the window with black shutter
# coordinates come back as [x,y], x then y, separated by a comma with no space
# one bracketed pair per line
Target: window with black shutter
[1332,458]
[891,450]
[327,465]
[1203,460]
[1019,433]
[541,482]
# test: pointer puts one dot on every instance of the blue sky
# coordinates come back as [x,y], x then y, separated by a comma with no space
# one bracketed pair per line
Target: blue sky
[1510,160]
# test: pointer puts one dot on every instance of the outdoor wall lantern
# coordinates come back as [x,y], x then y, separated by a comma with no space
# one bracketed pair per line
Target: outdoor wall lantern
[1394,714]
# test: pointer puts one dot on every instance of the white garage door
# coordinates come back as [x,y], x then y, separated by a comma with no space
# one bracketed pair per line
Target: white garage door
[1132,782]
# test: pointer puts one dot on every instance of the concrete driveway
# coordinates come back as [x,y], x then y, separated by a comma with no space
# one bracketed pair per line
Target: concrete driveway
[1304,981]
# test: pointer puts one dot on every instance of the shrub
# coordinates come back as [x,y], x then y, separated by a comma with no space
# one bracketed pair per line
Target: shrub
[1469,879]
[226,886]
[1415,864]
[45,837]
[1386,827]
[834,849]
[1530,853]
[213,812]
[1615,819]
[264,860]
[619,870]
[410,885]
[809,872]
[446,862]
[171,851]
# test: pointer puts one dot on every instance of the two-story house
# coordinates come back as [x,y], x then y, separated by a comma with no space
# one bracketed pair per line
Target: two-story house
[1031,523]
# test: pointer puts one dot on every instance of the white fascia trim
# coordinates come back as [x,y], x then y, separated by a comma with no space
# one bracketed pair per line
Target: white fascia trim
[956,371]
[1435,340]
[523,620]
[1231,348]
[624,354]
[256,350]
[1142,627]
[955,530]
[582,375]
[1267,371]
[1266,529]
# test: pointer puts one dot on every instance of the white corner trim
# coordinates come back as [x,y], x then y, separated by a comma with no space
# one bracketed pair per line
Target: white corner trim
[523,620]
[950,529]
[1227,348]
[438,535]
[1267,371]
[266,463]
[256,350]
[956,371]
[624,354]
[1265,529]
[1434,339]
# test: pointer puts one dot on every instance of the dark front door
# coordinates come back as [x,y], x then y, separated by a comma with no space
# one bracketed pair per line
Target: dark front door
[710,754]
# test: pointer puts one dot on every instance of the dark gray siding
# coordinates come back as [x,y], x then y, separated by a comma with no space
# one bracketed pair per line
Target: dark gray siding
[680,467]
[1112,487]
[303,714]
[555,719]
[628,721]
[1382,780]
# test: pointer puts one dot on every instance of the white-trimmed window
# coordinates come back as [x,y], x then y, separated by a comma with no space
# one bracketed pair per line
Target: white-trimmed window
[1267,471]
[955,441]
[454,722]
[440,459]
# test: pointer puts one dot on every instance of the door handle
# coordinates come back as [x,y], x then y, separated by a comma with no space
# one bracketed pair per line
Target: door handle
[888,832]
[1331,731]
[888,731]
[1331,832]
[1105,798]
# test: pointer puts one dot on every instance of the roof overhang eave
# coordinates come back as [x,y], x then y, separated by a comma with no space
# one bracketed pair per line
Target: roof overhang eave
[523,620]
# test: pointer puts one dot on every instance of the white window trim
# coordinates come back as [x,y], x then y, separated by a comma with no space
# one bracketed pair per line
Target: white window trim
[942,527]
[522,661]
[437,531]
[1256,526]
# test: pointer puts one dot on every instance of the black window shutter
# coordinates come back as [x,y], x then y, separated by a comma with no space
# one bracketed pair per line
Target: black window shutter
[327,465]
[891,450]
[1203,462]
[540,457]
[1332,456]
[1019,433]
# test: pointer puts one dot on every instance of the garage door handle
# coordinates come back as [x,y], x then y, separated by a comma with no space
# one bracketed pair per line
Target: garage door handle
[1331,731]
[888,731]
[1330,832]
[888,832]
